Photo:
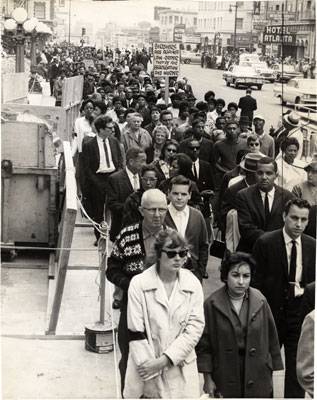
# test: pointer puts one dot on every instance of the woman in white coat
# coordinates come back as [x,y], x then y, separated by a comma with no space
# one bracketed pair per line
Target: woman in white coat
[165,322]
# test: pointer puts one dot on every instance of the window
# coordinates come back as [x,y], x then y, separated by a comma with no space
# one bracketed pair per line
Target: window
[277,7]
[176,19]
[239,23]
[171,19]
[195,21]
[62,3]
[308,5]
[39,10]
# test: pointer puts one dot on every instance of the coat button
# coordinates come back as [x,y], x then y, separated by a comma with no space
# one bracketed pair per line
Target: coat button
[250,383]
[252,351]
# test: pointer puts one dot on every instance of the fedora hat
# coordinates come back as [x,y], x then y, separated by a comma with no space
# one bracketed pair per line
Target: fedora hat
[259,116]
[250,161]
[291,119]
[312,166]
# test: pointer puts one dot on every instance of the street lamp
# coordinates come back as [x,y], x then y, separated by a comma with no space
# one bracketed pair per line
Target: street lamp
[235,23]
[21,27]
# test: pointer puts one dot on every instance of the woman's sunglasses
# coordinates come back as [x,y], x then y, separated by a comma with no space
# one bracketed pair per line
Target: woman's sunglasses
[254,144]
[174,253]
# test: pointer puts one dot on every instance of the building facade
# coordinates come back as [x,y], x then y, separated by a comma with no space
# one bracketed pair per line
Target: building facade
[43,10]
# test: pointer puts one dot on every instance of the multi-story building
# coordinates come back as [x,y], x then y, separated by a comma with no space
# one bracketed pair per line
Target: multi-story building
[225,25]
[43,10]
[168,18]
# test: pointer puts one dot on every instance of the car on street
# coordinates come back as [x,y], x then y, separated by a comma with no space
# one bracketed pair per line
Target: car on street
[243,76]
[265,72]
[190,57]
[285,73]
[297,91]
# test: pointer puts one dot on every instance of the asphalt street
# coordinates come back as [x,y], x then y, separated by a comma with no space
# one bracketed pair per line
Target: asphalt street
[203,79]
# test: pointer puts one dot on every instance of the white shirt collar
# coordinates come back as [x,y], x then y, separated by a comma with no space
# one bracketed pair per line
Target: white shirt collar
[173,210]
[288,239]
[130,174]
[270,193]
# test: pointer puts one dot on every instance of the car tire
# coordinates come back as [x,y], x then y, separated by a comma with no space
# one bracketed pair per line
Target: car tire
[283,102]
[259,87]
[227,83]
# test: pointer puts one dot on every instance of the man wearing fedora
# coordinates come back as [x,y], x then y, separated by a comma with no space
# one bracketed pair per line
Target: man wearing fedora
[248,105]
[290,128]
[248,167]
[267,142]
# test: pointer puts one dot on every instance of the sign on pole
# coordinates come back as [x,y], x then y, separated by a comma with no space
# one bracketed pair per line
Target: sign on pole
[179,31]
[166,59]
[279,34]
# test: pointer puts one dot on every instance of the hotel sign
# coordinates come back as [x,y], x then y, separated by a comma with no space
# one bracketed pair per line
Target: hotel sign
[279,34]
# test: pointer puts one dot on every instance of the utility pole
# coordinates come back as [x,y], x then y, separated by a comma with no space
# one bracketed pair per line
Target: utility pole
[69,18]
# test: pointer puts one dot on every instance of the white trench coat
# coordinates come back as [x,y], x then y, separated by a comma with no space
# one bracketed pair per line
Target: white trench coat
[173,328]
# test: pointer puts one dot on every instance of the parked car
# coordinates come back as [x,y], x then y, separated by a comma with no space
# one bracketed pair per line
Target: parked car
[190,57]
[243,76]
[298,91]
[286,73]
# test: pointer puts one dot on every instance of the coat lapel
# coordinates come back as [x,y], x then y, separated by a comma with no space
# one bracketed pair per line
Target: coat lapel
[283,254]
[96,151]
[127,180]
[258,203]
[276,201]
[255,304]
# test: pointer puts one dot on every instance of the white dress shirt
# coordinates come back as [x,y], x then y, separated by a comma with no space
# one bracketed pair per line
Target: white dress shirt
[197,167]
[299,260]
[270,196]
[134,179]
[103,167]
[180,218]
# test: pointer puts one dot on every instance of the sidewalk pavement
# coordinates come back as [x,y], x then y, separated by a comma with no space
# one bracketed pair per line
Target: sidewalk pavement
[38,366]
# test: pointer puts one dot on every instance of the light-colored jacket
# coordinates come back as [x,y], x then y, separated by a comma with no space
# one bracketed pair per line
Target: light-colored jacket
[305,355]
[172,328]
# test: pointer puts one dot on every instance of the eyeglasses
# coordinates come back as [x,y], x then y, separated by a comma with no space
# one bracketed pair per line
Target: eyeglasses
[171,150]
[153,210]
[254,144]
[194,147]
[174,253]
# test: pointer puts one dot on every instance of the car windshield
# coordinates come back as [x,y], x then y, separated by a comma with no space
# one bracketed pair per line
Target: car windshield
[244,70]
[306,84]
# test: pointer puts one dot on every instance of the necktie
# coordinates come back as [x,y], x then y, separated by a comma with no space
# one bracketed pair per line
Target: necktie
[106,153]
[266,210]
[195,171]
[292,269]
[135,183]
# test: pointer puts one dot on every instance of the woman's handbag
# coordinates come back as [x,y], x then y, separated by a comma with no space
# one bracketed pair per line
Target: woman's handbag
[217,248]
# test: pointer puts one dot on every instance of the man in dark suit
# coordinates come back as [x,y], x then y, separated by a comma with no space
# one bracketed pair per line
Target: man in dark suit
[203,177]
[260,206]
[189,222]
[121,184]
[206,152]
[101,157]
[285,265]
[248,105]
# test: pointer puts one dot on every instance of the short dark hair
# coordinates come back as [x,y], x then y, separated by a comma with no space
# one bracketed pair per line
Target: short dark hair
[212,101]
[220,101]
[115,99]
[165,112]
[180,180]
[289,141]
[129,111]
[196,122]
[218,119]
[133,153]
[253,138]
[85,102]
[266,161]
[101,105]
[300,203]
[202,106]
[209,94]
[232,259]
[102,121]
[232,122]
[148,167]
[184,164]
[232,104]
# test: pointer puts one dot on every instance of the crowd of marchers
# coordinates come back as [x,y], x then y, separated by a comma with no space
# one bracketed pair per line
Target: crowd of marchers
[175,178]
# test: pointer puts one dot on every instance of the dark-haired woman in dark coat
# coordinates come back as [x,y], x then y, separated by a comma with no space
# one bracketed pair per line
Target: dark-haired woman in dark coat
[239,348]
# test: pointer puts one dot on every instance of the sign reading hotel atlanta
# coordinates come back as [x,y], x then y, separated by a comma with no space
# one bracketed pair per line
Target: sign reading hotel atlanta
[278,34]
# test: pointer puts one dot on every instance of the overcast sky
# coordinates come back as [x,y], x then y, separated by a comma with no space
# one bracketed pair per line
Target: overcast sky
[127,12]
